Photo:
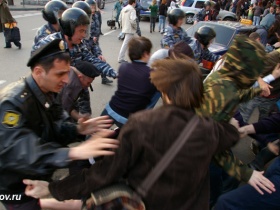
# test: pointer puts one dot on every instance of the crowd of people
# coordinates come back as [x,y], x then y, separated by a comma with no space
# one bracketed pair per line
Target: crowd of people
[50,108]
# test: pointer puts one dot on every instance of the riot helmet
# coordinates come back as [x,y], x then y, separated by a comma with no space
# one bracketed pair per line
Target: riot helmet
[207,3]
[52,10]
[71,18]
[91,2]
[205,34]
[84,6]
[174,15]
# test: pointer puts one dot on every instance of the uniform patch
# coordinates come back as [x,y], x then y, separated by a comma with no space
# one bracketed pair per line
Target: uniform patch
[11,119]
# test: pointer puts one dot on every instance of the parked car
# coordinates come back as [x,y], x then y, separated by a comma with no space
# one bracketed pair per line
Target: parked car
[225,32]
[196,5]
[145,12]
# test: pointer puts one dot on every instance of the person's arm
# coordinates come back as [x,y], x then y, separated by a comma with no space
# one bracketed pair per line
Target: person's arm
[266,125]
[23,151]
[167,40]
[227,135]
[199,16]
[133,18]
[102,173]
[275,74]
[248,94]
[102,66]
[209,56]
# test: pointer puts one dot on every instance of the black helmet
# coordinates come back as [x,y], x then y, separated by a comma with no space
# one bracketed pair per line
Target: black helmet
[205,34]
[70,19]
[84,6]
[207,3]
[52,10]
[91,2]
[174,15]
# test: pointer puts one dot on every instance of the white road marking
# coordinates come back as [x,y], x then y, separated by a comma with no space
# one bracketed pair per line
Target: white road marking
[27,15]
[2,82]
[35,29]
[109,32]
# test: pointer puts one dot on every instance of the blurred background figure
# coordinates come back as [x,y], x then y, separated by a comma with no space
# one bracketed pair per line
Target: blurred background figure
[9,23]
[118,7]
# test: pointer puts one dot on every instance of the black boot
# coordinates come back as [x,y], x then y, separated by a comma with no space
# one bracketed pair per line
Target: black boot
[8,45]
[261,159]
[105,80]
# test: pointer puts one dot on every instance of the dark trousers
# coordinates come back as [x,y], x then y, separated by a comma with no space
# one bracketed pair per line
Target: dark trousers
[152,23]
[9,44]
[31,205]
[247,198]
[220,182]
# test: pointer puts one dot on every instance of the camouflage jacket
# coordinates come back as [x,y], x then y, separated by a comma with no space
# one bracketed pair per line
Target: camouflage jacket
[79,52]
[226,88]
[171,36]
[95,26]
[44,31]
[93,47]
[200,53]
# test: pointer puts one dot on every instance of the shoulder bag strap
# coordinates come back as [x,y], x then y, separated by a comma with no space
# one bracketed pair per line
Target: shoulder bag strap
[168,157]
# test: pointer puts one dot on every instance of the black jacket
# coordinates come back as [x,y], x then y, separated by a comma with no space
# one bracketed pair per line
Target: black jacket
[33,136]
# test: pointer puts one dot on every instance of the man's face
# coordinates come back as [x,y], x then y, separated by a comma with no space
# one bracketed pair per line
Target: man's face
[55,78]
[207,7]
[93,8]
[79,34]
[85,81]
[180,22]
[277,10]
[271,10]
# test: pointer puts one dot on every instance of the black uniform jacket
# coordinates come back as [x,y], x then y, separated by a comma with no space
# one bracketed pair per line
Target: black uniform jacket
[33,136]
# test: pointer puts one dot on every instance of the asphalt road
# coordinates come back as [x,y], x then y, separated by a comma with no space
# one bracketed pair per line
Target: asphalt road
[13,61]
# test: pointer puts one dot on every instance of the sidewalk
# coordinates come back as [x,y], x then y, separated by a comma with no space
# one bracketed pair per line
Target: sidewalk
[34,5]
[19,7]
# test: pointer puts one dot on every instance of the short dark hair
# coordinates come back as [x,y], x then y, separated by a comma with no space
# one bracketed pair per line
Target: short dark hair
[48,62]
[138,46]
[131,2]
[180,80]
[180,48]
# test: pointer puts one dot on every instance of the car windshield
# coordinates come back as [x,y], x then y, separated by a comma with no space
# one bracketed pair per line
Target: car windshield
[224,34]
[145,3]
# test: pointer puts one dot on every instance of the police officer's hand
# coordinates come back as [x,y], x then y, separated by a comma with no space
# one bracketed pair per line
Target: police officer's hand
[97,145]
[260,182]
[101,57]
[93,125]
[36,188]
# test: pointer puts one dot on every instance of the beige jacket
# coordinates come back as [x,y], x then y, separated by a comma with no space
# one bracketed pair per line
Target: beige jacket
[127,19]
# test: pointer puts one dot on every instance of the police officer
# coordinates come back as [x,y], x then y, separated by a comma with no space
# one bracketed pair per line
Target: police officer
[204,14]
[203,38]
[51,12]
[93,39]
[173,32]
[33,129]
[74,23]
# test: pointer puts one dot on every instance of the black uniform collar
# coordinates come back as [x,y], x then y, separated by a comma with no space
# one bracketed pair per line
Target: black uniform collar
[45,99]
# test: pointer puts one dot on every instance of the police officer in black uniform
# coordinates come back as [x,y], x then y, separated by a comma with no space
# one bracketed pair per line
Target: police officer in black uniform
[34,132]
